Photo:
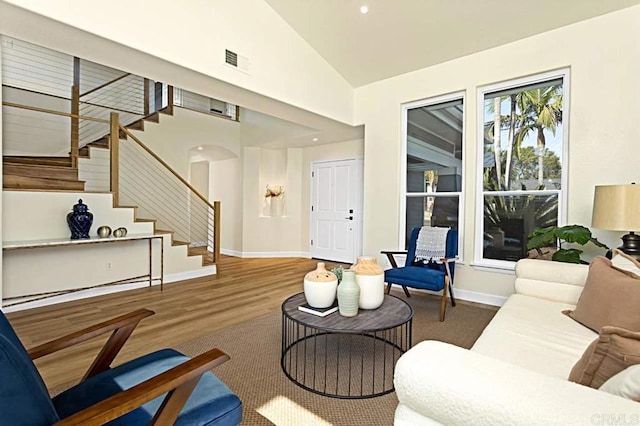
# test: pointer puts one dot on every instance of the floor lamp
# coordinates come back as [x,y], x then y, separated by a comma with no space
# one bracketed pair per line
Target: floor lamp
[617,208]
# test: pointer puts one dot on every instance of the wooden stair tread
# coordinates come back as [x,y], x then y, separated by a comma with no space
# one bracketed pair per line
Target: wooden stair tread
[40,171]
[49,161]
[27,182]
[138,219]
[136,125]
[207,256]
[163,231]
[153,117]
[103,142]
[179,243]
[166,110]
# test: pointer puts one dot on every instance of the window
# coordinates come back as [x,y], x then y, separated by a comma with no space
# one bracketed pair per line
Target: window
[433,136]
[521,172]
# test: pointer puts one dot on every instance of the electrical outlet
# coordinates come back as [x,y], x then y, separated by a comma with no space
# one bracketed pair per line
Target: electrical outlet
[107,266]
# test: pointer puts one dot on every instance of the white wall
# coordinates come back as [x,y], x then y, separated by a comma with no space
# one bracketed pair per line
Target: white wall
[266,236]
[604,57]
[95,171]
[42,215]
[198,210]
[283,65]
[225,185]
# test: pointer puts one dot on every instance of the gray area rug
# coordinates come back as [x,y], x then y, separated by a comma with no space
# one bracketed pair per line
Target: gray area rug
[269,397]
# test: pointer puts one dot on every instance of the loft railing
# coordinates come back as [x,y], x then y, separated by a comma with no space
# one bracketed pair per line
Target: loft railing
[34,131]
[139,177]
[200,103]
[45,85]
[54,80]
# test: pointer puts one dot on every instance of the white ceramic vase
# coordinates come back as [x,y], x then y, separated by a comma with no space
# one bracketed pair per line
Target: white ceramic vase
[320,287]
[370,278]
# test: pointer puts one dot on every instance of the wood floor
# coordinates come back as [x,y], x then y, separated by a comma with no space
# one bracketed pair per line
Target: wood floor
[243,289]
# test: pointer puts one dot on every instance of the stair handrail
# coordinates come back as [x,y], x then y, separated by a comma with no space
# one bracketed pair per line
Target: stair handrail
[105,84]
[54,112]
[166,166]
[114,141]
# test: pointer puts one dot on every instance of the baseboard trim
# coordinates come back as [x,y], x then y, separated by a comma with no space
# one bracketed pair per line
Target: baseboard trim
[92,292]
[265,254]
[76,295]
[180,276]
[466,295]
[474,296]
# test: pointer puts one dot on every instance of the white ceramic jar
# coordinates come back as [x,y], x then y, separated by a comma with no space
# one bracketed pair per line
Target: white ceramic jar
[370,278]
[320,287]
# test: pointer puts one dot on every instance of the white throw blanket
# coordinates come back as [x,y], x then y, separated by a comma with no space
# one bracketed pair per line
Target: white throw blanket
[432,243]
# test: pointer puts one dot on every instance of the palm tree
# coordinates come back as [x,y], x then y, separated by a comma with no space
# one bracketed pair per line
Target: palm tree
[512,129]
[540,110]
[496,135]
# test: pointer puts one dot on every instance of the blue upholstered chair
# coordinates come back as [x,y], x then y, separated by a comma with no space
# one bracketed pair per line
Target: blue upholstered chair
[165,386]
[434,277]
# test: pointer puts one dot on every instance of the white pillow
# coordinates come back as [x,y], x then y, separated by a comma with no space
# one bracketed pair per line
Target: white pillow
[624,262]
[625,384]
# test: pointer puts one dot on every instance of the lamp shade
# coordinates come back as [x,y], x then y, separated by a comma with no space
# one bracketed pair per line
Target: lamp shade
[616,207]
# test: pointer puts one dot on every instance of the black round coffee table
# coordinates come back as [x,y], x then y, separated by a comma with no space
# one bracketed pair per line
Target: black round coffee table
[345,357]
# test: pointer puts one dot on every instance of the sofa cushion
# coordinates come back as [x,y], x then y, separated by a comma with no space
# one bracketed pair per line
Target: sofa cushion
[610,298]
[613,351]
[556,281]
[533,333]
[625,384]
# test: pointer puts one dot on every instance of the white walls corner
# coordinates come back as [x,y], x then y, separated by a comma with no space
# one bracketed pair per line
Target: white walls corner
[602,135]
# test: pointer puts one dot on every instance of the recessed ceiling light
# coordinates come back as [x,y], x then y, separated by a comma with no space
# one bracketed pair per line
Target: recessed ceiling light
[200,148]
[364,9]
[315,139]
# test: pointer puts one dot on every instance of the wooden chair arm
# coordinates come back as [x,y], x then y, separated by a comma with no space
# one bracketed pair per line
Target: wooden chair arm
[122,327]
[388,252]
[177,382]
[392,260]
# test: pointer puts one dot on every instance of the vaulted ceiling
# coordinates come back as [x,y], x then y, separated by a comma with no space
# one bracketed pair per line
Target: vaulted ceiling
[399,36]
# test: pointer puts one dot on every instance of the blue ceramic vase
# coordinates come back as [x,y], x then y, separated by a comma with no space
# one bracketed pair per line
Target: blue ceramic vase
[79,221]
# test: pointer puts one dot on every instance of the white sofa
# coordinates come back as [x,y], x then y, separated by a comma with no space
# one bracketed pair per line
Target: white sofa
[516,372]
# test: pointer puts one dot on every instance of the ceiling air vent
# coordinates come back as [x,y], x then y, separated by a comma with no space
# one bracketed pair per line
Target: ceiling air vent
[236,61]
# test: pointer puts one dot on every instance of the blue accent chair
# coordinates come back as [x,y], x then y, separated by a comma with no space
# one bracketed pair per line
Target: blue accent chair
[434,277]
[164,387]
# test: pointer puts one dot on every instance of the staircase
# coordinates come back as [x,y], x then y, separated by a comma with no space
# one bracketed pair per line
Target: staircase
[30,173]
[57,173]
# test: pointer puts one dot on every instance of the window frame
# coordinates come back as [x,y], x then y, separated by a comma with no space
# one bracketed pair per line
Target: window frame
[454,96]
[564,74]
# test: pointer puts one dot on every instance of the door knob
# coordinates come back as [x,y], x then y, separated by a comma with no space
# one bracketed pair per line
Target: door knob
[350,217]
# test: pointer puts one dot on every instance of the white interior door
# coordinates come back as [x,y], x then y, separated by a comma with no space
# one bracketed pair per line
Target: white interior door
[335,210]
